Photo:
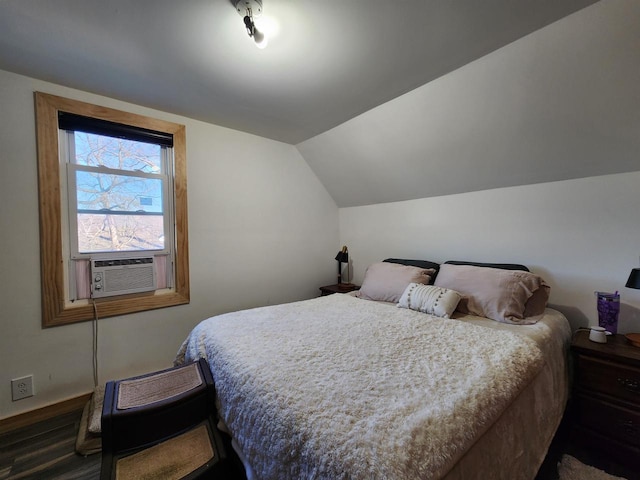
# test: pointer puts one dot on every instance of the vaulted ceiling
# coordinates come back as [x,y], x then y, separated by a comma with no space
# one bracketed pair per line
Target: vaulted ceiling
[385,100]
[329,61]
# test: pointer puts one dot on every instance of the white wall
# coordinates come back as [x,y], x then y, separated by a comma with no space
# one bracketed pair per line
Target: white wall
[262,230]
[580,235]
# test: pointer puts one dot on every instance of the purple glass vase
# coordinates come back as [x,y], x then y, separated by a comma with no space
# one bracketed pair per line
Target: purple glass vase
[608,310]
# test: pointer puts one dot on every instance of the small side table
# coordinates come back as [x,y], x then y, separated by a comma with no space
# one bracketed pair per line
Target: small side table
[338,288]
[606,396]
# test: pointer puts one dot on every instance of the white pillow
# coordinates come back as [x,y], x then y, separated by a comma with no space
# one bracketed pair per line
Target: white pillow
[430,299]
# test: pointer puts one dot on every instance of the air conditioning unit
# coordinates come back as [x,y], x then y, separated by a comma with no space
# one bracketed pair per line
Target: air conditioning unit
[111,276]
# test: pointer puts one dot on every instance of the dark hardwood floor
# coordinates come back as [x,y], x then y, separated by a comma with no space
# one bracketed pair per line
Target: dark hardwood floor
[46,450]
[565,442]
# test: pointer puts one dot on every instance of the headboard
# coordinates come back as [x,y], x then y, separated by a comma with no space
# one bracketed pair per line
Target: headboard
[436,266]
[415,263]
[502,266]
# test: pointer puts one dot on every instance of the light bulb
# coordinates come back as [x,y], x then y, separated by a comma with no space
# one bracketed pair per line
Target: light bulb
[260,38]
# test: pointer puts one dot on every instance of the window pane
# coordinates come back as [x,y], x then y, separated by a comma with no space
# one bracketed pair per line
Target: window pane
[117,233]
[118,193]
[99,150]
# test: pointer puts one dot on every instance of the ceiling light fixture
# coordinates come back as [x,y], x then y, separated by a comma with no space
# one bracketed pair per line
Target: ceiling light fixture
[248,9]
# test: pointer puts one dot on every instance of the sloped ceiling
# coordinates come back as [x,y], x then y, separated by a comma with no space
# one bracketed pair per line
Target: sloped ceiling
[559,104]
[330,60]
[385,100]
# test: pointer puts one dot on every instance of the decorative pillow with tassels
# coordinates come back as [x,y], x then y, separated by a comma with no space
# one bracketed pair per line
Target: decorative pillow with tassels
[437,301]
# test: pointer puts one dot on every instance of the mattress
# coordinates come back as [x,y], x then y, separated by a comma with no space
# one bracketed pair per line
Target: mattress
[341,387]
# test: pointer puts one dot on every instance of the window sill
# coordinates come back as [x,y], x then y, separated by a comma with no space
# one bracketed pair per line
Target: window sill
[114,306]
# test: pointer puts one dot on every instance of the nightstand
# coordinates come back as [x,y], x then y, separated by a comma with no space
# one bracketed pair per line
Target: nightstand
[338,288]
[606,396]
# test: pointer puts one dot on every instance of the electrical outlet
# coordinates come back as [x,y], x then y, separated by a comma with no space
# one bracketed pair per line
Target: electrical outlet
[22,388]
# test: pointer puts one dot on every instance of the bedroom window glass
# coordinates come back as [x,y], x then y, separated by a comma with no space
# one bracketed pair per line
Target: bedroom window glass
[112,186]
[119,190]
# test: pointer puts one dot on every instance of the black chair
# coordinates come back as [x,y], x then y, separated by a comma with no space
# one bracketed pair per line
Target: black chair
[162,425]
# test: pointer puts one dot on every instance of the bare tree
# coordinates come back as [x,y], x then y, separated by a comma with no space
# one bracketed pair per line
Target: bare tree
[117,208]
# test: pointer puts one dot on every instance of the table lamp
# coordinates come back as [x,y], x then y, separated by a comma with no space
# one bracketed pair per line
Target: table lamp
[343,257]
[634,279]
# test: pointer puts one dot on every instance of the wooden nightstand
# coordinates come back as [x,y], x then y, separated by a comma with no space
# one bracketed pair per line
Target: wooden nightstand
[338,288]
[606,396]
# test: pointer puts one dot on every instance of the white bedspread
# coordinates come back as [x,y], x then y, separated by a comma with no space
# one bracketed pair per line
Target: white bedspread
[337,387]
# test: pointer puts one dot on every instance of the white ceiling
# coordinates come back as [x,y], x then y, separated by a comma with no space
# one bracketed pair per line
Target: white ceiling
[330,61]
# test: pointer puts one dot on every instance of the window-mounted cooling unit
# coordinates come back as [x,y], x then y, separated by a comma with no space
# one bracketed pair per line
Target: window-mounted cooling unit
[122,276]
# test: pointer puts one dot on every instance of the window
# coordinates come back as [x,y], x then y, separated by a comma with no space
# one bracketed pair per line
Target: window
[112,185]
[118,188]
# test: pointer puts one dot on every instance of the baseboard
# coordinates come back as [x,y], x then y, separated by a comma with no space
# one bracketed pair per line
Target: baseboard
[34,416]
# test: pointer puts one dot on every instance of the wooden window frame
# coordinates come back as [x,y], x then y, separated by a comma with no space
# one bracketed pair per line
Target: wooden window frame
[55,308]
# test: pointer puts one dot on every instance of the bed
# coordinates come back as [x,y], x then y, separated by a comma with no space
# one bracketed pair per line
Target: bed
[371,385]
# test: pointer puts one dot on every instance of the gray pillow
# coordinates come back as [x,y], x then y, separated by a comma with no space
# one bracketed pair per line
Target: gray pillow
[384,281]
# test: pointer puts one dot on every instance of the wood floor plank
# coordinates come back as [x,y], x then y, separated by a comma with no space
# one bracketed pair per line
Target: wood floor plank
[46,451]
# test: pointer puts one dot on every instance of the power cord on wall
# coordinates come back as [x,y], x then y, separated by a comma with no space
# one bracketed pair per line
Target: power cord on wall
[95,343]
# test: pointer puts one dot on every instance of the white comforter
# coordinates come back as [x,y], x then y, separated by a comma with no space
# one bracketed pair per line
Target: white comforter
[337,387]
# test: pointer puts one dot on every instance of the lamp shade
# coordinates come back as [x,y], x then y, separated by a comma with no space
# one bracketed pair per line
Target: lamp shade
[342,256]
[634,279]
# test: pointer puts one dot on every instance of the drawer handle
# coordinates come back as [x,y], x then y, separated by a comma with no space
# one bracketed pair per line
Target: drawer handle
[631,385]
[629,428]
